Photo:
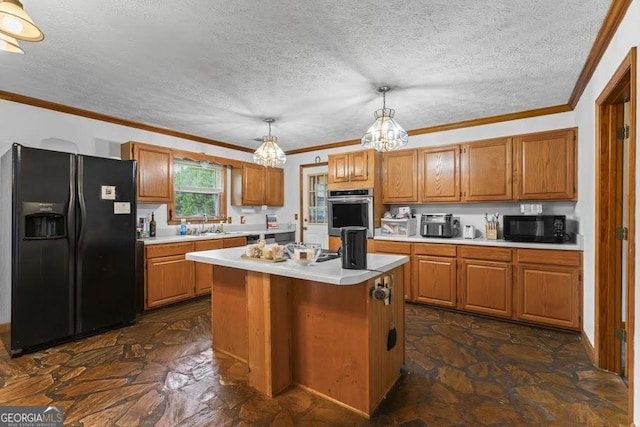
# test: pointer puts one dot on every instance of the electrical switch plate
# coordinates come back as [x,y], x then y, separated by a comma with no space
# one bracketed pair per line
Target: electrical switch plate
[536,208]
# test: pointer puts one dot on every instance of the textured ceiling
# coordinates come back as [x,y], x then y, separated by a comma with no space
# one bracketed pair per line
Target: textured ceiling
[216,69]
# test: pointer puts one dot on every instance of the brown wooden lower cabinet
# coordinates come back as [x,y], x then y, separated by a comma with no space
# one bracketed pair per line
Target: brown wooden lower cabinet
[232,242]
[547,288]
[204,272]
[334,244]
[435,280]
[398,248]
[485,287]
[170,278]
[434,274]
[486,280]
[541,286]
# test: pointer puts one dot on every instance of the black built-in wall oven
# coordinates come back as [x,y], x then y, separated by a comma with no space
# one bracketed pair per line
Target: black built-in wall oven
[350,208]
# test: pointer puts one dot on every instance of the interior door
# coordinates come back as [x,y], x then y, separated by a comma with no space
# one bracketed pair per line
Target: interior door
[313,185]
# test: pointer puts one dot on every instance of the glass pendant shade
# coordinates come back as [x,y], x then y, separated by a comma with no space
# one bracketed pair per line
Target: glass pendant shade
[269,154]
[385,134]
[15,22]
[9,44]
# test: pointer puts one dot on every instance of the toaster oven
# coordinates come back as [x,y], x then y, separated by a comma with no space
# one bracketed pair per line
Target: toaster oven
[438,225]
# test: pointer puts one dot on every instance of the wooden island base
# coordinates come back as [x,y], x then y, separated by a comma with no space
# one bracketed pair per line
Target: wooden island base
[329,339]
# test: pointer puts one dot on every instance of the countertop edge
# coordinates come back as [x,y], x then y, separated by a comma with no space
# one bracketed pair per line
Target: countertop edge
[330,272]
[193,238]
[577,246]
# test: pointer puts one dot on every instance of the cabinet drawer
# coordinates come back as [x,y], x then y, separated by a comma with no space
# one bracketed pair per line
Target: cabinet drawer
[232,242]
[208,245]
[154,251]
[435,249]
[484,252]
[393,247]
[546,256]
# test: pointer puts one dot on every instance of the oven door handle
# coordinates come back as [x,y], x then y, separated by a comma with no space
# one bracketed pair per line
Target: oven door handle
[350,200]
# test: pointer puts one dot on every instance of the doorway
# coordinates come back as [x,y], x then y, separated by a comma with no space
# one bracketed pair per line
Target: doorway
[313,203]
[615,223]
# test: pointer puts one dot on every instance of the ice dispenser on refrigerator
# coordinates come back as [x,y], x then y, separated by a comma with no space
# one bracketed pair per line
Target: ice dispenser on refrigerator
[44,220]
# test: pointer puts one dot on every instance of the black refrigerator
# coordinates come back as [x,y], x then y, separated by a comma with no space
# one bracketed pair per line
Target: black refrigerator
[73,237]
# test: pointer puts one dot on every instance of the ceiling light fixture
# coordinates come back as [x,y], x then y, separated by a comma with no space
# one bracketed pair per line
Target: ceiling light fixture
[385,134]
[269,154]
[15,22]
[9,44]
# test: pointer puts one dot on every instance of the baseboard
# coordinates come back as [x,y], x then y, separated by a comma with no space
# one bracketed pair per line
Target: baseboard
[591,352]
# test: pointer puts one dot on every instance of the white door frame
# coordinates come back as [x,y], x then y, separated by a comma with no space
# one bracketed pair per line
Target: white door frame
[301,213]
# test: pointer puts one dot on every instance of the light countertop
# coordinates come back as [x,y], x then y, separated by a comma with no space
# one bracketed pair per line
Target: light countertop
[330,272]
[209,236]
[569,246]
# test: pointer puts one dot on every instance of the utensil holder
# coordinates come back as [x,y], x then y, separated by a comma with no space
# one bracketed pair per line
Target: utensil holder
[491,233]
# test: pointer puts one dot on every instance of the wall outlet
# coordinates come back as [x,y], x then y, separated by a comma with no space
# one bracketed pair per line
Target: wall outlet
[531,208]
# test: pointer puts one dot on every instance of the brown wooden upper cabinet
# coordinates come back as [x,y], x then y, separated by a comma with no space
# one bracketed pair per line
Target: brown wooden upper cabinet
[487,170]
[255,185]
[275,187]
[439,174]
[399,172]
[154,171]
[356,169]
[545,166]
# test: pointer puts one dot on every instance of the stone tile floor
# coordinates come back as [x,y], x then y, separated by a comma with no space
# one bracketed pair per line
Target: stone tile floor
[460,370]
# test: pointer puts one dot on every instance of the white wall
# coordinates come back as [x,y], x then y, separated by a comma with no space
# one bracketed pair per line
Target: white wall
[625,38]
[38,127]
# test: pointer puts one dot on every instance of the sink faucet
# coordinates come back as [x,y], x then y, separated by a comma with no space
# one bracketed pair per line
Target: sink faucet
[204,220]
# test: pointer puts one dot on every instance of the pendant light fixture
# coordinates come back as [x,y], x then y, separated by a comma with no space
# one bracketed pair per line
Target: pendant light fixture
[269,154]
[15,22]
[385,134]
[9,44]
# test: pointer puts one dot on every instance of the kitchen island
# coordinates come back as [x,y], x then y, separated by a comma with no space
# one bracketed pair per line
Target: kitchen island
[314,326]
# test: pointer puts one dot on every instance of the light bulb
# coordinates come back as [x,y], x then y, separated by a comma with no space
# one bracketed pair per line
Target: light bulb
[12,24]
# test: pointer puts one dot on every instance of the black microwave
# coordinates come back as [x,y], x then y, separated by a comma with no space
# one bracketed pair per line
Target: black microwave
[535,228]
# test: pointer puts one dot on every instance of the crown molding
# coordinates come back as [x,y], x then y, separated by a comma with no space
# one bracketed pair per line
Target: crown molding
[563,108]
[612,21]
[40,103]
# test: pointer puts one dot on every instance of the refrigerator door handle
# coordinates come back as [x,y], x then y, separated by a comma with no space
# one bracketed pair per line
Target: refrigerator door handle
[81,211]
[72,240]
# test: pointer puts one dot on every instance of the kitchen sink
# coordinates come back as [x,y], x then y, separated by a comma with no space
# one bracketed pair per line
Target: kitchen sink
[224,233]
